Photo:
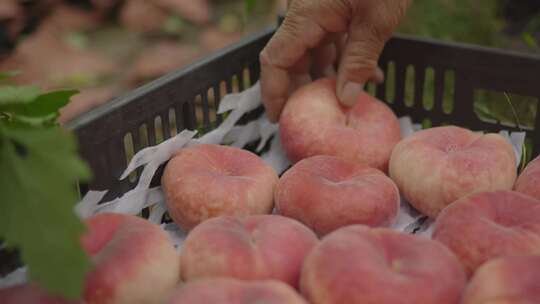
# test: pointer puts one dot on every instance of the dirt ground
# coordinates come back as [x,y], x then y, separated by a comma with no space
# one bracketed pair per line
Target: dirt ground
[106,48]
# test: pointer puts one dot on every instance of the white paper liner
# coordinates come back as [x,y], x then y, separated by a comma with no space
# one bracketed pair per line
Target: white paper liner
[134,201]
[17,277]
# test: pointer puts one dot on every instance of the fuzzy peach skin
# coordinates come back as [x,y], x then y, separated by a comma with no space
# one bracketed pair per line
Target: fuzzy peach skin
[31,294]
[249,248]
[357,264]
[313,122]
[510,280]
[437,166]
[233,291]
[134,262]
[488,225]
[326,193]
[529,180]
[206,181]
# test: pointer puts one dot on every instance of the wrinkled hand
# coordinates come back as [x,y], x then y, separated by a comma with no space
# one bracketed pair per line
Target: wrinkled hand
[317,34]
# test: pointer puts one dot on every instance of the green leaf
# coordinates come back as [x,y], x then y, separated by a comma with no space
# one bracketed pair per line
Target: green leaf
[39,169]
[32,122]
[529,40]
[250,5]
[77,40]
[174,25]
[10,95]
[50,103]
[42,105]
[7,75]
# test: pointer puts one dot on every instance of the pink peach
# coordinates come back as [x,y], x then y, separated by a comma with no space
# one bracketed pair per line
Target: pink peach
[437,166]
[248,248]
[326,193]
[134,262]
[529,180]
[206,181]
[357,264]
[31,294]
[510,280]
[488,225]
[313,123]
[233,291]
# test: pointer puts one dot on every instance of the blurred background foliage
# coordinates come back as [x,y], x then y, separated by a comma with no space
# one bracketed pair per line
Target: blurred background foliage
[507,24]
[108,47]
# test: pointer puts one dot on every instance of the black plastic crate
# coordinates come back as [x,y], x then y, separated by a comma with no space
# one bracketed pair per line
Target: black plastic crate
[188,99]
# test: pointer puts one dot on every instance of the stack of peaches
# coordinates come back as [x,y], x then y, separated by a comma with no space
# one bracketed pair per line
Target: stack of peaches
[321,233]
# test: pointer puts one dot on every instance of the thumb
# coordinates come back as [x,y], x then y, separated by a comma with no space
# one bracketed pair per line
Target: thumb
[359,60]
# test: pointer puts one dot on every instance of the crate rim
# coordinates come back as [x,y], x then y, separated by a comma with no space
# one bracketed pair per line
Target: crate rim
[125,98]
[118,102]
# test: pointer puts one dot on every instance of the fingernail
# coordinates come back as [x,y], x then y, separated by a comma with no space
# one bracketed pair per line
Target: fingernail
[350,93]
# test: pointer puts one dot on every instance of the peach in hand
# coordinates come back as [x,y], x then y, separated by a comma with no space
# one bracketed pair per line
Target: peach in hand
[233,291]
[314,122]
[488,225]
[326,193]
[357,264]
[249,248]
[437,166]
[510,280]
[529,180]
[206,181]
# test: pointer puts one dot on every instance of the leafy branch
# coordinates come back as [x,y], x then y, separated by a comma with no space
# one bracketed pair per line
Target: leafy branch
[39,169]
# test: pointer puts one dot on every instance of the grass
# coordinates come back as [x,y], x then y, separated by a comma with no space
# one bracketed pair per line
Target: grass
[456,20]
[476,22]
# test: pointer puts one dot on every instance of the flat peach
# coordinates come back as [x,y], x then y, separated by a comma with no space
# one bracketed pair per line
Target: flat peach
[206,181]
[326,193]
[232,291]
[484,226]
[437,166]
[313,123]
[31,294]
[510,280]
[529,180]
[357,264]
[134,262]
[249,248]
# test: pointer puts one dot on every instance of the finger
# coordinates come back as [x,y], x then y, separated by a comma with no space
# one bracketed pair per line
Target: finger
[358,62]
[368,32]
[378,76]
[288,46]
[303,29]
[324,59]
[275,83]
[300,73]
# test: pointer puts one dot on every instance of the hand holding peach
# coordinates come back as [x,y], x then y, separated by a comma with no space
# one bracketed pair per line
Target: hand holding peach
[314,123]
